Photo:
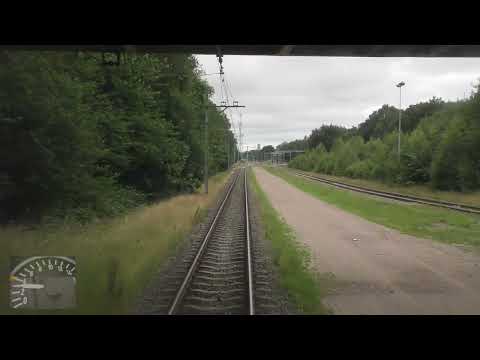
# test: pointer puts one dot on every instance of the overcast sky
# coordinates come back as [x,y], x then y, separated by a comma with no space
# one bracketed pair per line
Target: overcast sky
[287,97]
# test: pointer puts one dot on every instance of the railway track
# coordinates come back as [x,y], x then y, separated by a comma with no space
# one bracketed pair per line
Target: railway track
[219,280]
[223,267]
[391,195]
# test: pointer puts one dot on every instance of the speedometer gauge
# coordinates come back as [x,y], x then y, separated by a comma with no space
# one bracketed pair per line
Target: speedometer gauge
[43,282]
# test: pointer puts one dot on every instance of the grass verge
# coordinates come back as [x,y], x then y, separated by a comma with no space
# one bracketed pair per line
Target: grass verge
[292,260]
[414,219]
[127,249]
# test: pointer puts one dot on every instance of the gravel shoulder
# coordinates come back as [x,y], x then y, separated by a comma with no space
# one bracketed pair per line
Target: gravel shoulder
[377,270]
[272,299]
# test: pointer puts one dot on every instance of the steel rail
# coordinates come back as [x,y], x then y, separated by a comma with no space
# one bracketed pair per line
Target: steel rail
[251,307]
[181,291]
[396,196]
[175,305]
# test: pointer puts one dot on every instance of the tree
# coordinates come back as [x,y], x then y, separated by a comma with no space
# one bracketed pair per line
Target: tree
[268,149]
[80,139]
[326,135]
[441,146]
[300,144]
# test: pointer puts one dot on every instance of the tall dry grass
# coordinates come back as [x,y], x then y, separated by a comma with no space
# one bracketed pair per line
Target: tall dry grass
[115,258]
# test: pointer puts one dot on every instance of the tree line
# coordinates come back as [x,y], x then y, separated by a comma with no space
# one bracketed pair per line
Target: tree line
[80,139]
[440,146]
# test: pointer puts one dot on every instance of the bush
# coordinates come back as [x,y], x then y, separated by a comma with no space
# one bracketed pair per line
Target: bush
[360,169]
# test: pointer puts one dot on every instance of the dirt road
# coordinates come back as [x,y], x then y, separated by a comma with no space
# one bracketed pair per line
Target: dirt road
[379,270]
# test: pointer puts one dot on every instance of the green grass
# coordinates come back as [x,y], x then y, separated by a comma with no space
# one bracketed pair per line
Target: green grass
[471,198]
[304,286]
[129,249]
[423,221]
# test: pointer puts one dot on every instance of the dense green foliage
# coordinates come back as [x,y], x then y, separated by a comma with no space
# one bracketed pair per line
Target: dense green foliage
[300,144]
[268,149]
[325,135]
[82,139]
[385,119]
[440,146]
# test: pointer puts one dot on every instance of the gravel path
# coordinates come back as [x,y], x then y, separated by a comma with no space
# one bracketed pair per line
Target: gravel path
[378,270]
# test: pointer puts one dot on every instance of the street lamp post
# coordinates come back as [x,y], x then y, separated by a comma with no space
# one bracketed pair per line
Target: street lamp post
[399,85]
[205,169]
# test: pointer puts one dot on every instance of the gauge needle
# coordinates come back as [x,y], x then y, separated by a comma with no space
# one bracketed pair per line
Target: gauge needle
[30,286]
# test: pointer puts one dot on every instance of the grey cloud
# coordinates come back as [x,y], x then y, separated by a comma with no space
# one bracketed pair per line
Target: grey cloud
[287,97]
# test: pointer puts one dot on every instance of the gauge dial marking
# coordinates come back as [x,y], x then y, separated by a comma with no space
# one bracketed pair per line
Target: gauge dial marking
[43,282]
[30,286]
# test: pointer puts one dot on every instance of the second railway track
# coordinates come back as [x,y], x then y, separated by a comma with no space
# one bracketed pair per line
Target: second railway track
[395,196]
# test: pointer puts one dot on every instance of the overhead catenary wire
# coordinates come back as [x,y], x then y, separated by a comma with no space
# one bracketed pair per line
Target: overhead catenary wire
[227,98]
[228,91]
[221,90]
[228,87]
[238,110]
[224,90]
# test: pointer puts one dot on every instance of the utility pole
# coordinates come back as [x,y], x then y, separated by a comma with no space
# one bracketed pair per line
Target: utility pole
[399,85]
[205,170]
[235,105]
[240,137]
[227,149]
[234,150]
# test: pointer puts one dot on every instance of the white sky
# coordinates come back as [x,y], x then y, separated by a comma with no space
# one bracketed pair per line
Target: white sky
[287,97]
